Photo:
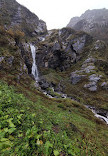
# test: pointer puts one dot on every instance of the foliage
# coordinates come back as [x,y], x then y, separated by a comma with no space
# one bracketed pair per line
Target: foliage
[28,128]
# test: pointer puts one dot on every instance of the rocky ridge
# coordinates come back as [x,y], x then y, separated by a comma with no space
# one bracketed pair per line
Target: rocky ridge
[15,16]
[94,22]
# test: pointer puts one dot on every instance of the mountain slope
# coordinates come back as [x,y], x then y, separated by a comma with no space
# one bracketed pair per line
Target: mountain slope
[14,15]
[94,22]
[72,71]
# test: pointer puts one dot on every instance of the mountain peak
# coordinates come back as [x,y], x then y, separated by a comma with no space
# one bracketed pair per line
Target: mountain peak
[93,21]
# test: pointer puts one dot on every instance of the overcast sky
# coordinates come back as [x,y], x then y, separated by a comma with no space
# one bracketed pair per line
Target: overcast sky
[57,13]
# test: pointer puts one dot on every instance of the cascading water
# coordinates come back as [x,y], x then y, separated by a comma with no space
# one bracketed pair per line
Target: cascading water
[34,66]
[96,113]
[36,76]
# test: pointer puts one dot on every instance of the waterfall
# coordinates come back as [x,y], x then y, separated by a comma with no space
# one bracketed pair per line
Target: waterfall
[96,113]
[34,66]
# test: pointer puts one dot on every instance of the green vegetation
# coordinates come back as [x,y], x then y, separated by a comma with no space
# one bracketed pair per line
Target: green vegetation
[47,126]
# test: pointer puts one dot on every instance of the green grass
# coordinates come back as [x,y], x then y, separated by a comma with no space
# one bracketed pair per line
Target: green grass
[44,126]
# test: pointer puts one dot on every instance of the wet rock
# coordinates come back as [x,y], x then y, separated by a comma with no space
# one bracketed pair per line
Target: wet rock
[26,55]
[44,84]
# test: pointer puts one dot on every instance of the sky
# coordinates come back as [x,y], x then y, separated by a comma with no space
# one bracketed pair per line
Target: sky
[57,13]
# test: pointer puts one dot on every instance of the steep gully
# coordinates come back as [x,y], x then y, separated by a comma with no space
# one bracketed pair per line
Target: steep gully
[36,76]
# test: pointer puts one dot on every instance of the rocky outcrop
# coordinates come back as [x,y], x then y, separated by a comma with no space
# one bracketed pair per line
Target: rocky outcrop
[61,48]
[75,78]
[16,16]
[94,22]
[93,80]
[104,85]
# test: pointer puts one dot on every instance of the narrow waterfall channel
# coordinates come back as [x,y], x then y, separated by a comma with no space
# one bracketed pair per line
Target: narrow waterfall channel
[34,65]
[97,114]
[36,76]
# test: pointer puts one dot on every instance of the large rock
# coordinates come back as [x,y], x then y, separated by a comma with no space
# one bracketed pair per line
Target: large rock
[94,77]
[61,48]
[91,86]
[44,84]
[104,85]
[75,78]
[79,43]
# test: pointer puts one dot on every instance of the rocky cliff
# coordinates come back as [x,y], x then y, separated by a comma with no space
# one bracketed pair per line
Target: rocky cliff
[13,15]
[70,61]
[68,66]
[94,22]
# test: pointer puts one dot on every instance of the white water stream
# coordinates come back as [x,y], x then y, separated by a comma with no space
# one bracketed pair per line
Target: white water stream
[36,76]
[98,115]
[34,66]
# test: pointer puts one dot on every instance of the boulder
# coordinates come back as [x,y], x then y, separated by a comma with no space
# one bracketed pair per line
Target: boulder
[91,86]
[89,69]
[43,84]
[104,85]
[75,78]
[79,43]
[94,78]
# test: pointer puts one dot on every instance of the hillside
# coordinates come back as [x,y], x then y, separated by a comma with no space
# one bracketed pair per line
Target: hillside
[48,80]
[15,16]
[94,22]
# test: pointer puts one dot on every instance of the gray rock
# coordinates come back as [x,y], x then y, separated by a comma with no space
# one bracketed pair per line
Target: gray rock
[1,58]
[89,60]
[91,86]
[41,28]
[79,43]
[94,77]
[43,84]
[89,69]
[56,46]
[10,60]
[75,78]
[98,45]
[104,85]
[17,19]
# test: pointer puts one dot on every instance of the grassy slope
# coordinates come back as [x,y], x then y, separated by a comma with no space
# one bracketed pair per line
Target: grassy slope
[33,124]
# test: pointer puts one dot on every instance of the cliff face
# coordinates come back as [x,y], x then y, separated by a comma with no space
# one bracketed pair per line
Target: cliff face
[67,60]
[62,63]
[94,22]
[62,48]
[13,15]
